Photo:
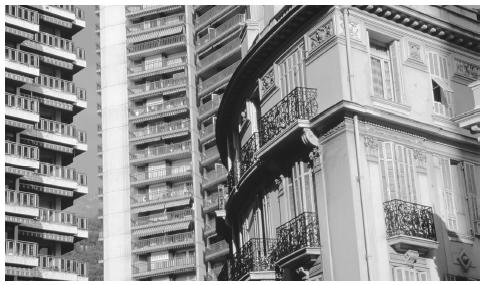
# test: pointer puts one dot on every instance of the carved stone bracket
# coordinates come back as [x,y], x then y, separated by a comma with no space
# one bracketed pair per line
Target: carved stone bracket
[410,257]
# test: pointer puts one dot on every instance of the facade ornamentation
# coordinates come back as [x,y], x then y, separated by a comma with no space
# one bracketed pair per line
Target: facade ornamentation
[353,28]
[267,82]
[410,257]
[314,156]
[467,69]
[420,159]
[321,35]
[371,147]
[464,260]
[414,51]
[309,138]
[248,153]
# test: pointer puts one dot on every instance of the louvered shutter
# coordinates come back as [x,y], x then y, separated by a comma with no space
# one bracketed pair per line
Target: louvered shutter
[472,178]
[388,171]
[449,199]
[460,197]
[396,72]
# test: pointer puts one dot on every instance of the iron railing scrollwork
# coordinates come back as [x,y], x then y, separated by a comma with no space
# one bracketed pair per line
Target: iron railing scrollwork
[231,181]
[300,103]
[248,151]
[255,255]
[410,219]
[300,232]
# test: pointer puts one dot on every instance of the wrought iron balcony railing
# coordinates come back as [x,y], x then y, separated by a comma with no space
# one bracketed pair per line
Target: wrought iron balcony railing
[156,43]
[62,129]
[62,172]
[211,105]
[220,30]
[213,57]
[231,181]
[163,217]
[23,199]
[64,265]
[22,13]
[158,85]
[21,248]
[409,219]
[21,102]
[164,106]
[300,103]
[163,241]
[300,232]
[255,255]
[145,267]
[211,81]
[161,173]
[156,23]
[22,57]
[248,151]
[61,217]
[157,64]
[21,150]
[163,149]
[209,14]
[161,128]
[175,192]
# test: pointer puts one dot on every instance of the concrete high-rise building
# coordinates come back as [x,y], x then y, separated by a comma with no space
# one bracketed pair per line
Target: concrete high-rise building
[163,74]
[351,136]
[41,101]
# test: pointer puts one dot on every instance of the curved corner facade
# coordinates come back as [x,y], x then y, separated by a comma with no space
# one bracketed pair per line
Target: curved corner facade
[41,100]
[350,135]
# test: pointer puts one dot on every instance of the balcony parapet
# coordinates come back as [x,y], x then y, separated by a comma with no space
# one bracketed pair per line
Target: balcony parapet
[214,176]
[155,219]
[163,150]
[21,155]
[150,25]
[157,86]
[211,13]
[165,106]
[145,69]
[21,203]
[216,249]
[62,132]
[248,153]
[165,242]
[209,229]
[207,132]
[162,267]
[254,256]
[176,193]
[22,17]
[299,104]
[212,105]
[62,176]
[144,10]
[161,129]
[217,79]
[161,174]
[21,61]
[209,155]
[154,44]
[224,51]
[58,268]
[297,238]
[410,226]
[21,253]
[220,31]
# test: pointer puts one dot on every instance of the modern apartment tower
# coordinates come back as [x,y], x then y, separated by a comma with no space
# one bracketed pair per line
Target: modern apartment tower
[163,72]
[41,101]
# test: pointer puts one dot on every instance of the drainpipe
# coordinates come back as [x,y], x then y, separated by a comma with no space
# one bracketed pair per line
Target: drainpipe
[345,9]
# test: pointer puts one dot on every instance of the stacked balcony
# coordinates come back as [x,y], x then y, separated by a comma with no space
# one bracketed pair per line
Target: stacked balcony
[169,173]
[152,26]
[174,197]
[164,65]
[21,253]
[156,88]
[206,109]
[214,177]
[216,250]
[23,62]
[165,109]
[151,47]
[227,28]
[21,203]
[167,151]
[165,130]
[214,59]
[59,176]
[162,222]
[217,80]
[22,17]
[254,261]
[58,268]
[21,155]
[207,133]
[163,243]
[21,108]
[164,267]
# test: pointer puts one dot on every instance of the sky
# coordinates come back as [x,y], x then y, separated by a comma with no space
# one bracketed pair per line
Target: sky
[88,119]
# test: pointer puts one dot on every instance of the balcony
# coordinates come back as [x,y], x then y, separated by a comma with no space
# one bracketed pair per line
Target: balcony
[165,130]
[219,55]
[52,45]
[61,222]
[133,11]
[168,151]
[212,203]
[58,132]
[163,243]
[21,203]
[299,104]
[174,197]
[164,109]
[21,107]
[22,17]
[151,25]
[162,218]
[60,176]
[169,173]
[24,62]
[21,253]
[225,28]
[21,155]
[248,153]
[207,133]
[207,108]
[212,13]
[58,268]
[298,240]
[154,46]
[410,226]
[143,269]
[214,177]
[253,261]
[149,68]
[209,156]
[217,80]
[209,229]
[216,250]
[157,87]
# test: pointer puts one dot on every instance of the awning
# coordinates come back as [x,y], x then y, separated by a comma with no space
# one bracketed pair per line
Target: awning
[155,34]
[144,11]
[162,229]
[160,114]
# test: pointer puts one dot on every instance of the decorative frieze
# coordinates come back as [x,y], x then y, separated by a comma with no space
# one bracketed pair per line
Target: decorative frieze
[267,82]
[466,69]
[321,35]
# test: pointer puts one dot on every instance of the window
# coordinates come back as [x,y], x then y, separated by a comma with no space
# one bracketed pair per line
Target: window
[441,91]
[291,71]
[397,172]
[385,71]
[402,273]
[300,190]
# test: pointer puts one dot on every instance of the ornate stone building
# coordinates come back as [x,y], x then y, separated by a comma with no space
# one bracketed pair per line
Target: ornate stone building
[349,135]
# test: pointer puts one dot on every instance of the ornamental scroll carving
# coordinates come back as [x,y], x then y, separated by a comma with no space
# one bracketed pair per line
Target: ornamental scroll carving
[321,35]
[267,82]
[467,69]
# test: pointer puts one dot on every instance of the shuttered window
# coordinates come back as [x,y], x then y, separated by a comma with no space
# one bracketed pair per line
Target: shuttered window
[385,69]
[442,93]
[292,71]
[397,172]
[472,178]
[300,189]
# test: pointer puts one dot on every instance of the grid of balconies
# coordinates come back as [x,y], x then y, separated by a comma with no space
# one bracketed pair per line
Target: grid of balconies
[169,217]
[163,242]
[177,264]
[154,24]
[219,32]
[217,79]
